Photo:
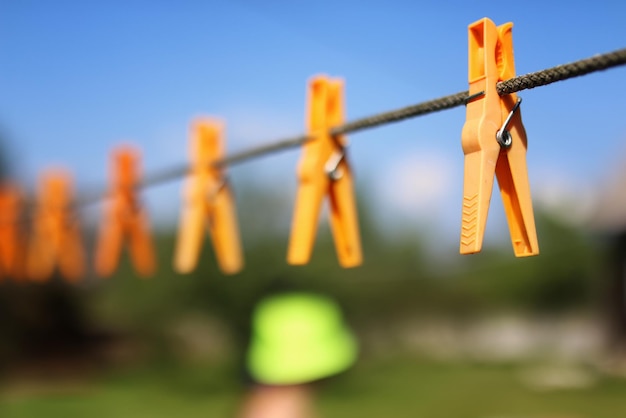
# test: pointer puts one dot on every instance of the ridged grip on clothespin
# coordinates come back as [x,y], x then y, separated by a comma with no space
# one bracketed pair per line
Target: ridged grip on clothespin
[491,59]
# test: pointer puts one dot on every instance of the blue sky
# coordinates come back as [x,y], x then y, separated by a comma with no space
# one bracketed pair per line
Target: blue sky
[78,78]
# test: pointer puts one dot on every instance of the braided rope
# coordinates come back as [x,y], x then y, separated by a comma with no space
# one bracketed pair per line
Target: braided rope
[523,82]
[563,72]
[431,106]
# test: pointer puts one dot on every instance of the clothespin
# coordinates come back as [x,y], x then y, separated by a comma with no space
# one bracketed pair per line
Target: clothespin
[494,140]
[11,240]
[208,202]
[324,171]
[56,239]
[124,218]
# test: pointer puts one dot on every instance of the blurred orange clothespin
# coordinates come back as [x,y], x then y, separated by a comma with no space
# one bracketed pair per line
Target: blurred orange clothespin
[124,218]
[11,240]
[55,236]
[208,202]
[324,171]
[494,139]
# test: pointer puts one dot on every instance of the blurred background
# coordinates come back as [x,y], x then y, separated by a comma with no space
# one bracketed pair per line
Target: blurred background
[441,334]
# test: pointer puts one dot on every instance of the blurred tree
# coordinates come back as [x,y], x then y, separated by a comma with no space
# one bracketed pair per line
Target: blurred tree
[615,295]
[387,283]
[397,280]
[560,278]
[609,224]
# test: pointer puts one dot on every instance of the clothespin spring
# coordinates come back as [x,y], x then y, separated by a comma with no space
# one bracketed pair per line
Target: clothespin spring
[212,194]
[332,165]
[503,136]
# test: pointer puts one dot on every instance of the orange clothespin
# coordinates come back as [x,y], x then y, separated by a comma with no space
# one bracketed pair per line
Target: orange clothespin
[124,219]
[208,202]
[56,239]
[494,140]
[324,171]
[11,240]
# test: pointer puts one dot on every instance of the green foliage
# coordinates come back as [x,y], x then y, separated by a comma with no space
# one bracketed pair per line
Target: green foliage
[560,278]
[398,280]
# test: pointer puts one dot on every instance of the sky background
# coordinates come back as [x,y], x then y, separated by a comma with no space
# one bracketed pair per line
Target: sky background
[80,77]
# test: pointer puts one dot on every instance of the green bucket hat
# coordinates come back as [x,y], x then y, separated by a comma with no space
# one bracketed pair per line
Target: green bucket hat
[297,338]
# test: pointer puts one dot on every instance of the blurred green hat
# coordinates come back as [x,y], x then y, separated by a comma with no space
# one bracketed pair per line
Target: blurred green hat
[298,337]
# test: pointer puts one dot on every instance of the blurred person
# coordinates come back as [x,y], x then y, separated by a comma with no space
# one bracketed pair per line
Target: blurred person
[298,339]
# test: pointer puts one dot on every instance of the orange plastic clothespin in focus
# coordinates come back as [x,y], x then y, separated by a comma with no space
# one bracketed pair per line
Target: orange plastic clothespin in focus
[208,202]
[11,242]
[124,219]
[324,171]
[494,140]
[56,238]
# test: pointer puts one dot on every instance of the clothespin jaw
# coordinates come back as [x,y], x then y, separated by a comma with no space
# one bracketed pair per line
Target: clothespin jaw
[208,201]
[125,219]
[56,238]
[511,172]
[11,243]
[494,143]
[324,171]
[125,172]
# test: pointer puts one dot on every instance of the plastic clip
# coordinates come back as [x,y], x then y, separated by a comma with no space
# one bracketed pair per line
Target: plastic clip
[124,219]
[11,239]
[208,202]
[324,171]
[56,238]
[494,140]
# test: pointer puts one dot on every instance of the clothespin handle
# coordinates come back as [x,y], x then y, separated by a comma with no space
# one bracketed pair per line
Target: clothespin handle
[494,143]
[124,218]
[57,240]
[483,118]
[324,171]
[511,171]
[11,242]
[208,202]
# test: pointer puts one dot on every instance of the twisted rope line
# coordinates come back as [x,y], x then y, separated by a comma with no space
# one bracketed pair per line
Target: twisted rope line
[563,72]
[524,82]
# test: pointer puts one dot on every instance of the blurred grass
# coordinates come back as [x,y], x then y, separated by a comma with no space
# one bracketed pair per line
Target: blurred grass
[393,387]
